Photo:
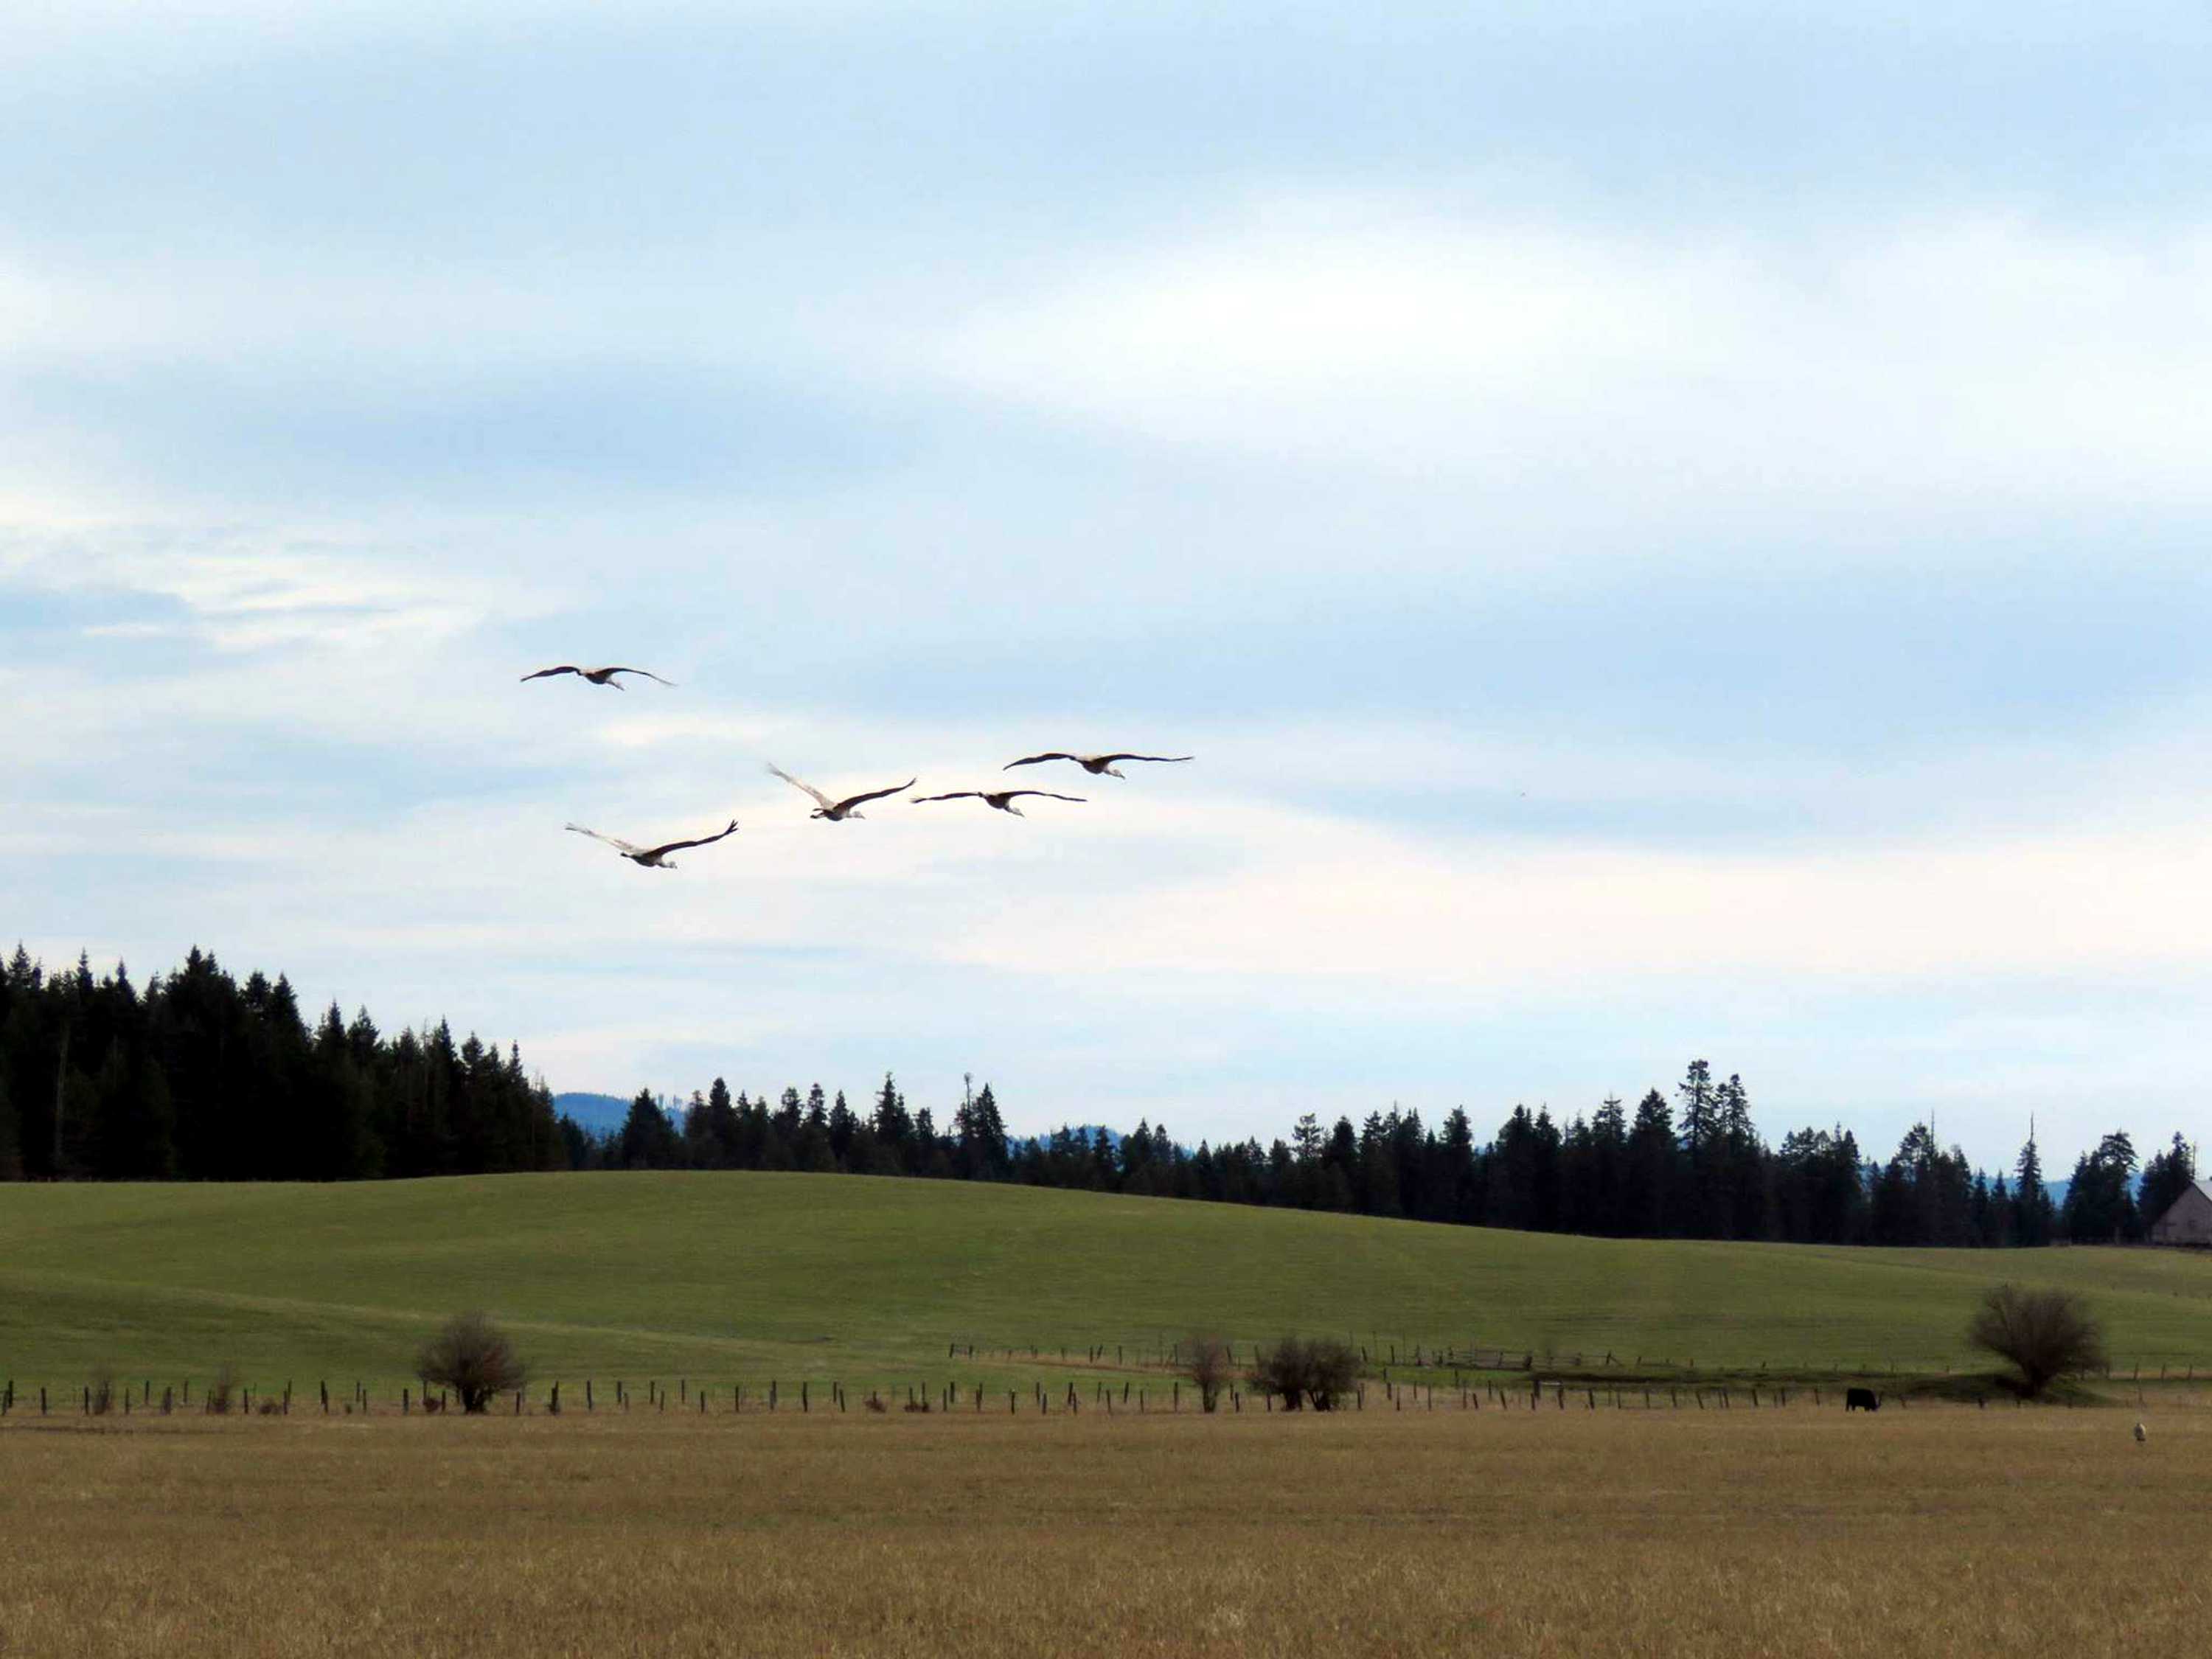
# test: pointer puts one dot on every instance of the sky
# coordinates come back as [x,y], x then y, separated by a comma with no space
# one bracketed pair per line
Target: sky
[1672,531]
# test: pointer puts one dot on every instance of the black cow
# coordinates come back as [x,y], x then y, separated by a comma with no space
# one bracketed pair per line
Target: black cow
[1861,1400]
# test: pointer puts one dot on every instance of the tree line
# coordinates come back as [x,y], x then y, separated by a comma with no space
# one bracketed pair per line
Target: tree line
[1691,1167]
[199,1077]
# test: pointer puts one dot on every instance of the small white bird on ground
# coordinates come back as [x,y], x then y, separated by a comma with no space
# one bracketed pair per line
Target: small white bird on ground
[2140,1435]
[597,676]
[1001,798]
[836,812]
[654,857]
[1097,765]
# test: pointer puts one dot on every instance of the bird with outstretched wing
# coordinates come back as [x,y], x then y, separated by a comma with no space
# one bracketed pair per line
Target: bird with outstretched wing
[1097,765]
[654,857]
[595,676]
[836,812]
[1001,798]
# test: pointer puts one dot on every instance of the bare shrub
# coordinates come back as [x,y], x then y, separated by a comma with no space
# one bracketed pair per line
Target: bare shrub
[1332,1372]
[1207,1362]
[2043,1335]
[1298,1371]
[99,1393]
[473,1358]
[221,1393]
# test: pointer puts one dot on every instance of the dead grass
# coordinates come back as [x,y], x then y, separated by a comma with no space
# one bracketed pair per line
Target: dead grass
[1937,1530]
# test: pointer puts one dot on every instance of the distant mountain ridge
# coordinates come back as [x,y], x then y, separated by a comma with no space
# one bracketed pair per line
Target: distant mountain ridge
[604,1114]
[598,1113]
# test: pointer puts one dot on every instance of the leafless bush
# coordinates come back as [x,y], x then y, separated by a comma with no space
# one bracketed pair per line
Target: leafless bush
[473,1358]
[1208,1363]
[1298,1371]
[2043,1335]
[99,1393]
[222,1392]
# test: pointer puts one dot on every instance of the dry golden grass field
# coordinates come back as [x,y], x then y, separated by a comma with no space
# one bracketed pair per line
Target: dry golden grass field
[1937,1529]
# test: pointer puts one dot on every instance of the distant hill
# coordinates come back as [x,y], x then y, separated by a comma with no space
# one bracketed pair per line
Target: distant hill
[748,1277]
[1088,1131]
[598,1113]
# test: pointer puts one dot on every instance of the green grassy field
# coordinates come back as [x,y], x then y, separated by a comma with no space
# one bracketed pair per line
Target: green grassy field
[748,1276]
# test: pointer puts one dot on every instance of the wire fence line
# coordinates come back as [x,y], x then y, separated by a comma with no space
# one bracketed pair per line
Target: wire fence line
[1470,1390]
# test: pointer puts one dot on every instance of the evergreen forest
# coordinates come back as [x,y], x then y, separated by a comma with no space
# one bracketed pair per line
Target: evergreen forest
[200,1076]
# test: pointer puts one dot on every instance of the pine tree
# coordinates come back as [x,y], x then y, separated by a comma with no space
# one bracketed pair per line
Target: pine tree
[2099,1204]
[2167,1176]
[1457,1178]
[722,1130]
[1654,1163]
[982,1133]
[2031,1217]
[893,1127]
[648,1140]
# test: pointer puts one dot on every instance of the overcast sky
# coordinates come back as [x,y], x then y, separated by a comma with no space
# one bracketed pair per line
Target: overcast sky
[1672,531]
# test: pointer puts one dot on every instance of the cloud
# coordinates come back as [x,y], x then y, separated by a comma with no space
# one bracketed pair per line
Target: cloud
[1918,360]
[240,591]
[1339,902]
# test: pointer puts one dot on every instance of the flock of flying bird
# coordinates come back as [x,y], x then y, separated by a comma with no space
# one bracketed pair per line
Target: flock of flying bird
[834,810]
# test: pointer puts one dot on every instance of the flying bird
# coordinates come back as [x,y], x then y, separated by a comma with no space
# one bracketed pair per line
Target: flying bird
[837,811]
[1097,765]
[597,676]
[654,857]
[1001,798]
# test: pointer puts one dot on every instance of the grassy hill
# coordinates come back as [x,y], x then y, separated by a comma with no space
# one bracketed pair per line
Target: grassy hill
[755,1275]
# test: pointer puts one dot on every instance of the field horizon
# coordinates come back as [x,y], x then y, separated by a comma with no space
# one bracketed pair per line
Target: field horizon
[736,1276]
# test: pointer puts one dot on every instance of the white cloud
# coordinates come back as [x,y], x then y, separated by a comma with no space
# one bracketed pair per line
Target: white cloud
[240,590]
[1939,358]
[1328,899]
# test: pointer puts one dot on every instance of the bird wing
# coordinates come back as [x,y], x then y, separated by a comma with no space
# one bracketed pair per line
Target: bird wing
[1107,760]
[963,794]
[623,846]
[701,840]
[565,668]
[648,672]
[1031,760]
[1047,793]
[851,801]
[827,805]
